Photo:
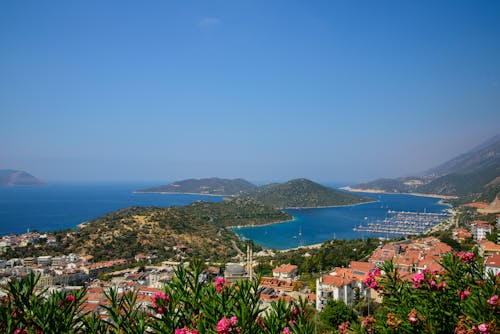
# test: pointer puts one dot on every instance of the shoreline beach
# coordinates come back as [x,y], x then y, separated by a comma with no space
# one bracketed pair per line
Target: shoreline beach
[378,191]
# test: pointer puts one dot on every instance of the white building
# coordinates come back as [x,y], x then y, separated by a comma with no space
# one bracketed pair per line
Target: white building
[492,264]
[342,283]
[479,229]
[286,272]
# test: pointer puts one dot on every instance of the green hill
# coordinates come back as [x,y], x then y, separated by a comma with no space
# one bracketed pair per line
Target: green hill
[209,186]
[303,193]
[201,226]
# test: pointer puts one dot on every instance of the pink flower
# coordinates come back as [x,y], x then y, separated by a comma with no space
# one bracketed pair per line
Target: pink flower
[368,320]
[294,310]
[219,283]
[224,326]
[483,328]
[467,257]
[464,294]
[70,298]
[287,330]
[412,316]
[343,327]
[376,272]
[160,299]
[185,330]
[417,279]
[371,282]
[233,320]
[493,300]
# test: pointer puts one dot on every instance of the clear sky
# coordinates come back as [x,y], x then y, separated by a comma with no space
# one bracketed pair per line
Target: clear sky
[264,90]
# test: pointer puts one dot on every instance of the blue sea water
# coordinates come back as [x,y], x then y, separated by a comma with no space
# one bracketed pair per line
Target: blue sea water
[312,226]
[60,206]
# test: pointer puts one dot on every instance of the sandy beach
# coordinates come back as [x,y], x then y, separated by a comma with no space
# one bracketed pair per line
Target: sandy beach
[378,191]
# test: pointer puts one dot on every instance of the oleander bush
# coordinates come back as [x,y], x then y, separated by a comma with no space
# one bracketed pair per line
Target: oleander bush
[187,305]
[462,299]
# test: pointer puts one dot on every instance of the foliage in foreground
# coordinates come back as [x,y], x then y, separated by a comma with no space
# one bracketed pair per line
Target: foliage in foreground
[463,299]
[187,305]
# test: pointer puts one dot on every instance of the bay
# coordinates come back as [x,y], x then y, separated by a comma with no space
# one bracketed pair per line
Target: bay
[313,226]
[65,205]
[61,206]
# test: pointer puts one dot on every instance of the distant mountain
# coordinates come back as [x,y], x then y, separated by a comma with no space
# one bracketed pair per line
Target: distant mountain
[10,177]
[302,193]
[472,173]
[209,186]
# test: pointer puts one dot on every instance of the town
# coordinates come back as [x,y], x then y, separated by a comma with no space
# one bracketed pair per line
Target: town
[145,275]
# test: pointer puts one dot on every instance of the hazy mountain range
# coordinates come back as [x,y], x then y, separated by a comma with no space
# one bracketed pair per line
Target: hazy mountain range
[476,172]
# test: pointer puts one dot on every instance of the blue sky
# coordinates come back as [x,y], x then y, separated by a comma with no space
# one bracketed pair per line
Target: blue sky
[264,90]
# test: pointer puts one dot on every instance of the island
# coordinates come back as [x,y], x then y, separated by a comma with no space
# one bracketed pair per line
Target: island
[11,178]
[207,186]
[297,193]
[304,193]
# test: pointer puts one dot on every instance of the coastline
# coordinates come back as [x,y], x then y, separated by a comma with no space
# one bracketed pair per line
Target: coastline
[311,246]
[327,206]
[259,225]
[178,193]
[299,208]
[378,191]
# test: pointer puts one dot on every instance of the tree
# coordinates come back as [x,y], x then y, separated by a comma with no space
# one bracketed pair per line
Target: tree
[337,312]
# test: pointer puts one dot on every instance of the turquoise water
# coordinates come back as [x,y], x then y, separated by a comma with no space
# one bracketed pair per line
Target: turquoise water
[312,226]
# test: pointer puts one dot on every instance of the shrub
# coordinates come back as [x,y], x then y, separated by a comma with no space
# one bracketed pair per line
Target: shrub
[187,305]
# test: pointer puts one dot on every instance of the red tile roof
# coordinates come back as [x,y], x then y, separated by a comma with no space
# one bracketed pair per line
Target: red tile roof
[285,268]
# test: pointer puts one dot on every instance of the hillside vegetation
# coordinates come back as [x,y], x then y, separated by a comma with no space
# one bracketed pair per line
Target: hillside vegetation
[209,186]
[302,193]
[200,226]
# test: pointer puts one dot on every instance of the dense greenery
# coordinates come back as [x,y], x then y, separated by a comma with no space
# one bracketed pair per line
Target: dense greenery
[302,193]
[461,299]
[212,186]
[331,254]
[187,305]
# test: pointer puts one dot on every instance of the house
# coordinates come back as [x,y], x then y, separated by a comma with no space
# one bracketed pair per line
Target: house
[488,248]
[286,272]
[234,272]
[480,228]
[343,284]
[492,264]
[412,255]
[333,287]
[461,234]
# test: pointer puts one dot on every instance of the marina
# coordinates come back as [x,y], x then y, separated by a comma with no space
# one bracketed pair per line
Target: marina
[404,223]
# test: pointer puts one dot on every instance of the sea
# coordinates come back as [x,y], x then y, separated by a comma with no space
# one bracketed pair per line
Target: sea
[65,205]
